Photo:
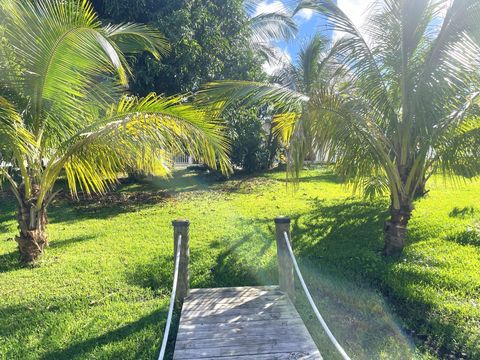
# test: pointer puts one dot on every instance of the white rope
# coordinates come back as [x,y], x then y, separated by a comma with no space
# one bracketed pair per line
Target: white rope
[312,303]
[172,300]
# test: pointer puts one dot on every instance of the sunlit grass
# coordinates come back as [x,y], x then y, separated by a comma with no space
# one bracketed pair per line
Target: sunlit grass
[101,290]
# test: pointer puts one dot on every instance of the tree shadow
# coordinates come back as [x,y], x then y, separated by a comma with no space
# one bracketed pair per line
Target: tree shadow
[153,320]
[155,274]
[345,239]
[7,211]
[228,270]
[462,213]
[57,244]
[11,261]
[343,236]
[13,318]
[471,236]
[323,177]
[68,211]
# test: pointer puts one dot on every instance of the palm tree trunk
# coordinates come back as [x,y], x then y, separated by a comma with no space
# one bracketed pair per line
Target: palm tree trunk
[396,228]
[32,223]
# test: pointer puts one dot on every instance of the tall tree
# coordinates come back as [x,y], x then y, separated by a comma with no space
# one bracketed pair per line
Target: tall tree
[410,106]
[62,109]
[210,41]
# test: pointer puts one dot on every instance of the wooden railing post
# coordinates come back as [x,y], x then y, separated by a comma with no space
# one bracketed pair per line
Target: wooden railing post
[285,266]
[181,227]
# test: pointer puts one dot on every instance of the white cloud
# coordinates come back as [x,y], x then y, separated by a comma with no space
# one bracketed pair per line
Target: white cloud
[282,57]
[305,14]
[356,10]
[268,6]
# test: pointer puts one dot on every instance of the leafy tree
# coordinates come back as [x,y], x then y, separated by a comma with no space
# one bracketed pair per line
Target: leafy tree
[409,108]
[253,144]
[210,40]
[62,109]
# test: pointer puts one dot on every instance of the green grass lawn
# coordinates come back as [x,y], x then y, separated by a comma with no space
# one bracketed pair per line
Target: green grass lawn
[101,290]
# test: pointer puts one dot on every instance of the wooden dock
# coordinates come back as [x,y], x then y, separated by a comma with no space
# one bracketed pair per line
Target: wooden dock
[242,323]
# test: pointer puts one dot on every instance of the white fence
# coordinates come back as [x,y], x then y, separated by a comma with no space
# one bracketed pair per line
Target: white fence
[183,160]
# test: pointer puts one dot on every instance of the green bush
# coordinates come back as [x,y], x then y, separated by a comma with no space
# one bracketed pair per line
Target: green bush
[254,147]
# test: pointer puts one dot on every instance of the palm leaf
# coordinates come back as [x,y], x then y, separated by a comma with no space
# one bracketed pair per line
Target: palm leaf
[138,133]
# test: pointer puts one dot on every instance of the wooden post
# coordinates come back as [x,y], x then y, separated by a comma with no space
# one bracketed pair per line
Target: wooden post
[181,227]
[285,266]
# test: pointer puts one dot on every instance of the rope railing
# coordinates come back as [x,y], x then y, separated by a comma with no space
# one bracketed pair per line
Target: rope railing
[172,300]
[312,303]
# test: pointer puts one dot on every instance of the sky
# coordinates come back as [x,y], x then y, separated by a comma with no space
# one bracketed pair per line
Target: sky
[309,23]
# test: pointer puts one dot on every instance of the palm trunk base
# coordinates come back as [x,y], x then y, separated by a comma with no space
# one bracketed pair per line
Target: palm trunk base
[31,245]
[395,234]
[32,238]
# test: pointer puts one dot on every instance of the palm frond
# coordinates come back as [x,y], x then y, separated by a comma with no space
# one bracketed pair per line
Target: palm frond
[277,25]
[63,53]
[355,53]
[133,38]
[458,151]
[13,133]
[226,93]
[310,57]
[138,133]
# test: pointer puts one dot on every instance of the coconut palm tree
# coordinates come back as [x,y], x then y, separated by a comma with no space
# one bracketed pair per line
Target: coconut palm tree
[410,106]
[62,75]
[311,71]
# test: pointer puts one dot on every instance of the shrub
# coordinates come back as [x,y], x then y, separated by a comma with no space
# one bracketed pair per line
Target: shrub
[254,147]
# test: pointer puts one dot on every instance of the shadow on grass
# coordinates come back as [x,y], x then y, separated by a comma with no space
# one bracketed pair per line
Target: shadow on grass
[10,262]
[324,177]
[462,213]
[128,197]
[57,244]
[155,274]
[343,241]
[228,270]
[470,236]
[84,347]
[343,236]
[7,211]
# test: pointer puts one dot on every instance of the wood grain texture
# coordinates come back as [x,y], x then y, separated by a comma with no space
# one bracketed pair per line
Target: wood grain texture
[242,323]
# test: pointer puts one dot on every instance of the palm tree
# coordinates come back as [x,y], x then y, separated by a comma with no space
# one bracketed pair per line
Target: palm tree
[311,71]
[409,105]
[62,75]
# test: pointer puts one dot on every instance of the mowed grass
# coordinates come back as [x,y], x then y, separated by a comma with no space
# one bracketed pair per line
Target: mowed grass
[101,290]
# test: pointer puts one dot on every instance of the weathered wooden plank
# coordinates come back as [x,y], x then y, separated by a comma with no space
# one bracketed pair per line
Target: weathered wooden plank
[240,289]
[273,356]
[242,323]
[234,333]
[236,311]
[232,295]
[215,303]
[240,318]
[246,305]
[251,340]
[219,329]
[225,293]
[245,349]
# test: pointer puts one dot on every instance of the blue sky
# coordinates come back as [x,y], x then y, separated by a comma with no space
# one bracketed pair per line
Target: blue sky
[309,23]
